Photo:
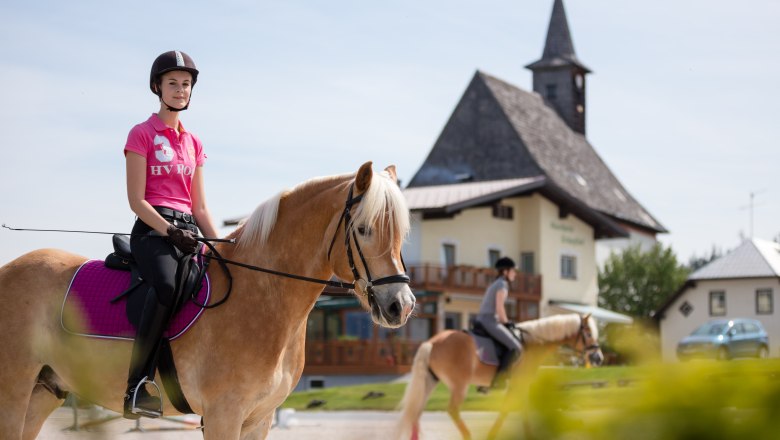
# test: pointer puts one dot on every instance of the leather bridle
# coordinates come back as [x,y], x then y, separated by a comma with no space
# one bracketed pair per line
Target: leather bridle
[587,348]
[367,284]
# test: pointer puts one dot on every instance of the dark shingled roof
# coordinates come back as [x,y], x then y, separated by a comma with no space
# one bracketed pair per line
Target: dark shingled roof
[498,131]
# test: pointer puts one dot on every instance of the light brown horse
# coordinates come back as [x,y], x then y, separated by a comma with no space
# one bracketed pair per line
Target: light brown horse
[243,358]
[451,357]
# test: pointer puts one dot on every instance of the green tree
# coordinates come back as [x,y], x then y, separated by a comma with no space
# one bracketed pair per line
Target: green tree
[637,283]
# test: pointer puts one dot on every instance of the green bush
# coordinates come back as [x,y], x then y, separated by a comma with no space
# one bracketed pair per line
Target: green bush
[696,400]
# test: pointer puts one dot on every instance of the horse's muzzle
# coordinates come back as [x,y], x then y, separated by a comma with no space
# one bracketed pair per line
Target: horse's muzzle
[393,304]
[596,358]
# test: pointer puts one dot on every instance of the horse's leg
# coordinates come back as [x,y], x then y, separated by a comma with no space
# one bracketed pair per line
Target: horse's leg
[497,425]
[16,388]
[258,431]
[221,423]
[42,403]
[457,396]
[519,384]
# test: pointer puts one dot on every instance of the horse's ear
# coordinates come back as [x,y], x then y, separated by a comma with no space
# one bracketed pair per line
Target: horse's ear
[363,177]
[586,317]
[391,172]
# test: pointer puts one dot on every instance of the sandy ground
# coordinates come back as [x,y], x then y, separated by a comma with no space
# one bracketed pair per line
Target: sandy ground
[342,425]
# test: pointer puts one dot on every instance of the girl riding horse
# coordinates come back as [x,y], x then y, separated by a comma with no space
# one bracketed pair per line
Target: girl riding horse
[166,192]
[240,360]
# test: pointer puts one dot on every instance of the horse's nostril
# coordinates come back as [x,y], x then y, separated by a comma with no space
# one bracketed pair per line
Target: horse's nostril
[394,311]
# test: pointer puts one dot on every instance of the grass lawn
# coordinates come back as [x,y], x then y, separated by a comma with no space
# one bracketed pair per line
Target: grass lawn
[357,398]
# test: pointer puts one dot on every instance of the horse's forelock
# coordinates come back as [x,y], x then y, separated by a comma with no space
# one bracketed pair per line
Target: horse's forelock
[383,199]
[594,328]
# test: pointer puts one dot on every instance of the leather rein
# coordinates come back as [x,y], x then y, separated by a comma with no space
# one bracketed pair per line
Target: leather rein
[366,285]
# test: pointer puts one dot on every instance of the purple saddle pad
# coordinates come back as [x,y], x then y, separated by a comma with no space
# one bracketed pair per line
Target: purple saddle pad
[87,309]
[486,349]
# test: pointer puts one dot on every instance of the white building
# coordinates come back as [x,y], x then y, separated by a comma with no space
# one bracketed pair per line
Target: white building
[741,284]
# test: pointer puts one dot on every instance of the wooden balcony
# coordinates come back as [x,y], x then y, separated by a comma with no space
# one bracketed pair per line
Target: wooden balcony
[359,357]
[470,279]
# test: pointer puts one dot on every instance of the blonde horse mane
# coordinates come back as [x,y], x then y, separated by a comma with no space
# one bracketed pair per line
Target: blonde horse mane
[554,328]
[382,201]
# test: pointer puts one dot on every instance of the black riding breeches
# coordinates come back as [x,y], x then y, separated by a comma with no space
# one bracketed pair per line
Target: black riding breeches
[157,260]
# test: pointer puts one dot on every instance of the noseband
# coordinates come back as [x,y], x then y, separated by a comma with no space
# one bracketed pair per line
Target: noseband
[367,284]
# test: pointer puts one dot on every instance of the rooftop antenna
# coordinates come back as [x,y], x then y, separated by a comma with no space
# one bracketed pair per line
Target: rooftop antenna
[752,205]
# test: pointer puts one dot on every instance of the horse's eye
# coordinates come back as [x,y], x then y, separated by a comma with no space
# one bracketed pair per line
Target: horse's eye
[362,230]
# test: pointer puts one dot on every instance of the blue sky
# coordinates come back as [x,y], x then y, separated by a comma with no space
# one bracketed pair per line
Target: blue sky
[682,104]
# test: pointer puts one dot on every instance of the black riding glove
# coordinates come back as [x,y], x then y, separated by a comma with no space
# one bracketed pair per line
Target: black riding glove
[510,325]
[183,239]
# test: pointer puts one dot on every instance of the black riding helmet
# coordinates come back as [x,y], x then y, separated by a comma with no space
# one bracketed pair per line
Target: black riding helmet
[505,263]
[167,62]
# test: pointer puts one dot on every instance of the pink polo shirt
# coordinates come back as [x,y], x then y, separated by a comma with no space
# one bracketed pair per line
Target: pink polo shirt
[170,162]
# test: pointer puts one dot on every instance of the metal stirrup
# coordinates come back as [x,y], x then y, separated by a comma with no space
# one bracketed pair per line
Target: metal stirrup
[135,395]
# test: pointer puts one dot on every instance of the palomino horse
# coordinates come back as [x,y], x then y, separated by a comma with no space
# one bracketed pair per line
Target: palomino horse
[243,358]
[451,357]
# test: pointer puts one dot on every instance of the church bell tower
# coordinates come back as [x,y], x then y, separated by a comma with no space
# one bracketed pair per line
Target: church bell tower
[559,77]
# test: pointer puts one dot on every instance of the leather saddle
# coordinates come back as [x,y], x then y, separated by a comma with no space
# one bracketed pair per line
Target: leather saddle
[188,278]
[490,351]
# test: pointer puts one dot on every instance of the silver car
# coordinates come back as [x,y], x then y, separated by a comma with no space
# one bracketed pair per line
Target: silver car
[725,339]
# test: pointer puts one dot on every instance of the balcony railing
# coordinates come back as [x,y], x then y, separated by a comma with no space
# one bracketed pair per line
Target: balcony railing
[359,356]
[470,279]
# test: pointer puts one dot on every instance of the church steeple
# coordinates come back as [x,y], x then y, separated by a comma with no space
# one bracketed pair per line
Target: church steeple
[559,77]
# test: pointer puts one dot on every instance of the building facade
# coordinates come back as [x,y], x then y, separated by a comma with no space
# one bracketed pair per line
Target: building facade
[511,174]
[740,284]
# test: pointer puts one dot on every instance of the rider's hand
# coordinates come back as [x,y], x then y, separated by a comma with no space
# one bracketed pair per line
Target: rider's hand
[182,239]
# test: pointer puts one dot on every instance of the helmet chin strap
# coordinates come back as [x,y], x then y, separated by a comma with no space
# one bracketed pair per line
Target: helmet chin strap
[173,109]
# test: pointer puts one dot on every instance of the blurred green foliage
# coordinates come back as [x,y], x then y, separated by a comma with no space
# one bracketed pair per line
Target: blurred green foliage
[648,400]
[697,400]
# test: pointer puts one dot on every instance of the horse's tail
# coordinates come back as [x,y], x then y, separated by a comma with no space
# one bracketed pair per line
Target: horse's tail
[416,395]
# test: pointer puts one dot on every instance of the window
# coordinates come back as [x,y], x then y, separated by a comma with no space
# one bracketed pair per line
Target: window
[528,310]
[419,329]
[717,303]
[315,326]
[503,211]
[449,255]
[511,309]
[568,267]
[316,383]
[452,320]
[552,92]
[527,263]
[493,256]
[764,304]
[359,325]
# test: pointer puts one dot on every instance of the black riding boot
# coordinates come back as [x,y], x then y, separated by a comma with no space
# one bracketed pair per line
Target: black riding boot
[154,320]
[504,365]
